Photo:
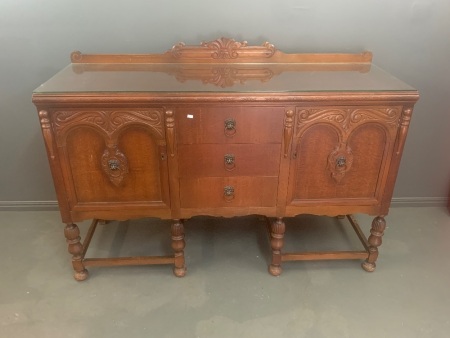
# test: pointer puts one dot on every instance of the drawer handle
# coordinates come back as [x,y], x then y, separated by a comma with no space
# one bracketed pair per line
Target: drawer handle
[228,193]
[341,161]
[230,127]
[229,161]
[113,164]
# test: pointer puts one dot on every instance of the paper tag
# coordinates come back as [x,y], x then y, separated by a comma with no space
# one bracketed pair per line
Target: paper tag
[189,116]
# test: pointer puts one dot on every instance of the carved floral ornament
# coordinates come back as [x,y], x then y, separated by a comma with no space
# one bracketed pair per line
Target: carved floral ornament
[223,48]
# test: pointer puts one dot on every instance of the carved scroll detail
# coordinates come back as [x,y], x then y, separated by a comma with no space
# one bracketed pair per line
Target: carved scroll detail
[76,56]
[107,121]
[340,161]
[348,118]
[223,48]
[115,165]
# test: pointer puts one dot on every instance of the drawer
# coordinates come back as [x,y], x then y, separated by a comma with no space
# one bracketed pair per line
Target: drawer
[229,160]
[231,124]
[213,192]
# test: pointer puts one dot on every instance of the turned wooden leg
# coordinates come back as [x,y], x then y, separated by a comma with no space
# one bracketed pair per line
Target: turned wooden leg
[277,229]
[178,244]
[75,248]
[375,240]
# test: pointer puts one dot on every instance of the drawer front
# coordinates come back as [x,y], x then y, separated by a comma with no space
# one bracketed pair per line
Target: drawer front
[214,192]
[229,160]
[231,124]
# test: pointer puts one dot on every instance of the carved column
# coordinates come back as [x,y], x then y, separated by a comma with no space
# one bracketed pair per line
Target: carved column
[288,130]
[403,131]
[178,244]
[277,230]
[375,240]
[170,134]
[46,131]
[75,248]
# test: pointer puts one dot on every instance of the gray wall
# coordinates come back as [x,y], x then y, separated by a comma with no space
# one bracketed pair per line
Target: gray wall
[410,39]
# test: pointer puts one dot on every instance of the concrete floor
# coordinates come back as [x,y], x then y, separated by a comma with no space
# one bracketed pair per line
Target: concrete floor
[227,291]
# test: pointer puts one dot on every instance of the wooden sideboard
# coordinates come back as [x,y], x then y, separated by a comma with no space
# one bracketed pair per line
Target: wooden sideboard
[223,129]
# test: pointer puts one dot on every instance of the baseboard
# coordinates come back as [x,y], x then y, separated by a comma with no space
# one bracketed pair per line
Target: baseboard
[29,206]
[419,202]
[53,205]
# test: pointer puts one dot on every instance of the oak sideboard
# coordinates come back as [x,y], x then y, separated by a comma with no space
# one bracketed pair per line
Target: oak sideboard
[223,129]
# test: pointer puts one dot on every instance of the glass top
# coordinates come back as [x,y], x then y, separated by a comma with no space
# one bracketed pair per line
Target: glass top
[220,78]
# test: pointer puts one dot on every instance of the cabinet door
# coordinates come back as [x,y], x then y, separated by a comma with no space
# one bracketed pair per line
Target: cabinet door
[116,156]
[341,155]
